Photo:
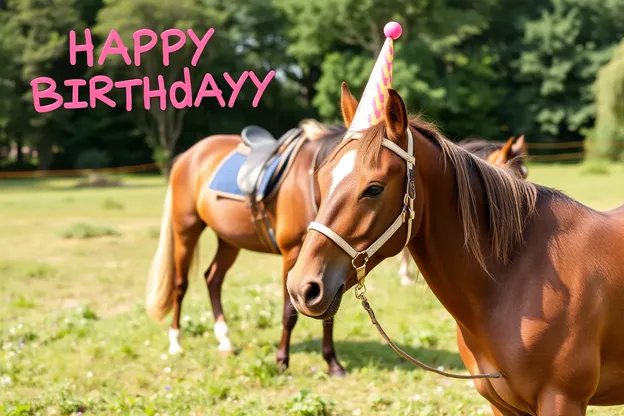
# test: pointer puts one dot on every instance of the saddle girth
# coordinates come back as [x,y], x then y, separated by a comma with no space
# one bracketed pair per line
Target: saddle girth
[249,180]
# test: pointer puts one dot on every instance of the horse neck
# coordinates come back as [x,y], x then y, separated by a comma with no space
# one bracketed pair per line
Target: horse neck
[450,269]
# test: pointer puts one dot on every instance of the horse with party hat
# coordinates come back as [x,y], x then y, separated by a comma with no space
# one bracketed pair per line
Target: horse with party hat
[537,324]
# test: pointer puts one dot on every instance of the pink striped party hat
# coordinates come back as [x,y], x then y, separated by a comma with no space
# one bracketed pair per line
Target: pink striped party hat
[370,111]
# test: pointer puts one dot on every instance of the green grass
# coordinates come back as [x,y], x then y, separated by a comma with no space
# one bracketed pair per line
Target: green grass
[74,335]
[84,230]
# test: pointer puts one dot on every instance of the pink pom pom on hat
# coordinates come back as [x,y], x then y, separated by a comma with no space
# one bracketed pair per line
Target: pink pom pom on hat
[393,30]
[371,109]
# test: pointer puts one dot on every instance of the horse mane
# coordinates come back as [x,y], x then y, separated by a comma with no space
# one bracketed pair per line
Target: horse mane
[509,201]
[328,141]
[479,146]
[313,129]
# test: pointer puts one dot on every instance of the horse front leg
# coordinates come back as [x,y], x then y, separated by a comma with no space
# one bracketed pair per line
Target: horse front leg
[289,315]
[329,353]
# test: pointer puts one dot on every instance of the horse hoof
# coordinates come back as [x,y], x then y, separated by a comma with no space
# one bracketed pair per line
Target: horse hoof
[406,281]
[337,372]
[225,350]
[282,365]
[175,349]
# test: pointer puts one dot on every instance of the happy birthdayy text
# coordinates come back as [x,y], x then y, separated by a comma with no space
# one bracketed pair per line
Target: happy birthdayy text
[100,85]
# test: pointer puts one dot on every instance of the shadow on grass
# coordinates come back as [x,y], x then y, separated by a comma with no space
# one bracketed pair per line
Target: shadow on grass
[360,354]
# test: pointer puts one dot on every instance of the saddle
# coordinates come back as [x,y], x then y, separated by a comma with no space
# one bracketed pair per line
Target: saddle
[263,148]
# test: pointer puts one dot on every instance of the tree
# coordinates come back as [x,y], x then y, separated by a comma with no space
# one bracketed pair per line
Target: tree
[340,40]
[162,128]
[564,48]
[607,139]
[35,34]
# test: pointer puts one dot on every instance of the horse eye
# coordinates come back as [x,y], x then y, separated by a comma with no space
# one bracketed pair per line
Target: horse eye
[373,191]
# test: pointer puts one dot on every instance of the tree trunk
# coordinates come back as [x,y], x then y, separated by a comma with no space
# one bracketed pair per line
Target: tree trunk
[20,144]
[44,150]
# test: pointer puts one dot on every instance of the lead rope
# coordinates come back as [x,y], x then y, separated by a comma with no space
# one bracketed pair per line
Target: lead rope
[360,294]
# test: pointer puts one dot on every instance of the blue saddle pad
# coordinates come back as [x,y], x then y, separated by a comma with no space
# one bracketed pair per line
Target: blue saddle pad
[224,180]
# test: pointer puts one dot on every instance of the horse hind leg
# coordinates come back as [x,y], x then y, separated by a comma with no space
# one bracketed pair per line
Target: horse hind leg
[223,260]
[185,240]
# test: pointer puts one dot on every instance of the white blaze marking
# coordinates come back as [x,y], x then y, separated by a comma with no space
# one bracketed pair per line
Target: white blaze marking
[343,169]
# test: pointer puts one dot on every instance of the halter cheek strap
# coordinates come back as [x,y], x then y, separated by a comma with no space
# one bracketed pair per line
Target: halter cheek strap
[406,216]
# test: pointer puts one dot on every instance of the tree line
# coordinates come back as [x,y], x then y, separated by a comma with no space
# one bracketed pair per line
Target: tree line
[552,70]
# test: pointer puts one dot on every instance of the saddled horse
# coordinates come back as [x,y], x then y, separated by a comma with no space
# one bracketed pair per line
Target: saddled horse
[533,278]
[194,203]
[510,154]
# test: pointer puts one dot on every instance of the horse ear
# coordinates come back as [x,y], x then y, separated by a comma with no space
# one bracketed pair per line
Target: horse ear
[348,105]
[396,115]
[505,151]
[519,147]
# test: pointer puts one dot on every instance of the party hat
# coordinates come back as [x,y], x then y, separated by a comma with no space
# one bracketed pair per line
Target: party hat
[370,111]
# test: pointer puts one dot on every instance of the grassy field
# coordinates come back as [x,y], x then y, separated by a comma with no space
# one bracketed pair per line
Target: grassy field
[75,337]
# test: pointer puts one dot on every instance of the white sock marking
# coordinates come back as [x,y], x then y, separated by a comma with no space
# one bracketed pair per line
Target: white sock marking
[221,333]
[174,341]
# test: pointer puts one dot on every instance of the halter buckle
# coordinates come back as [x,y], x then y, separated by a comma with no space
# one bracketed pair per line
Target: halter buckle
[411,193]
[361,269]
[408,212]
[360,290]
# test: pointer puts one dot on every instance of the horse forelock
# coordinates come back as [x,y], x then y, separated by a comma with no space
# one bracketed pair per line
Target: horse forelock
[510,202]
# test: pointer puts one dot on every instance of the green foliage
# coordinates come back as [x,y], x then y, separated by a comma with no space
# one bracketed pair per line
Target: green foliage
[23,302]
[564,49]
[153,232]
[594,166]
[197,327]
[83,230]
[112,204]
[607,139]
[41,271]
[162,128]
[16,409]
[35,33]
[305,403]
[93,159]
[491,68]
[261,367]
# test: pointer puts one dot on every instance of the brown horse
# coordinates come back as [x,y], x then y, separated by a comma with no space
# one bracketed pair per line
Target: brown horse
[510,154]
[534,279]
[190,206]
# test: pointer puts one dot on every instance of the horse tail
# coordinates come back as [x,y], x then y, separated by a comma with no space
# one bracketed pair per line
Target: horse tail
[160,280]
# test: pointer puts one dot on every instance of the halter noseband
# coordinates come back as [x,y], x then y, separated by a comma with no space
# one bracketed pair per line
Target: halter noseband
[406,215]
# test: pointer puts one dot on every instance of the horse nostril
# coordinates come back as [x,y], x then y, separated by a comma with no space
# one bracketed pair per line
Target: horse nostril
[312,293]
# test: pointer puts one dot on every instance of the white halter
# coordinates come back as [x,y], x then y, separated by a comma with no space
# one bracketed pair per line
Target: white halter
[407,213]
